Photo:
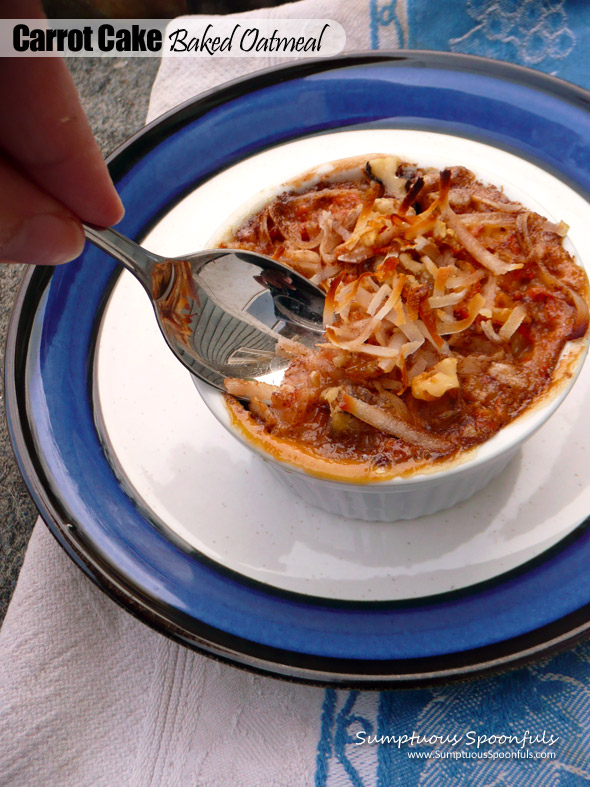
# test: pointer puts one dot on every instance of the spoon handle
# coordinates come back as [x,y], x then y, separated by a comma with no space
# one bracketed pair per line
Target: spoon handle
[135,258]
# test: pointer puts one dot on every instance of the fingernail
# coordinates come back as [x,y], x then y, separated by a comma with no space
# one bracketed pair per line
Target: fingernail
[120,210]
[45,239]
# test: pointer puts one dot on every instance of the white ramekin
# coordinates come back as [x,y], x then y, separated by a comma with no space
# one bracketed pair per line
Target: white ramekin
[425,492]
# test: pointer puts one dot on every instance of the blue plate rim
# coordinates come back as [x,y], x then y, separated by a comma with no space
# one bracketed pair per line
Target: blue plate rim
[82,554]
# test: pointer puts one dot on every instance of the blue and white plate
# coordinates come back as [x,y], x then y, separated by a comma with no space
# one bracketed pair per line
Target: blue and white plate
[179,522]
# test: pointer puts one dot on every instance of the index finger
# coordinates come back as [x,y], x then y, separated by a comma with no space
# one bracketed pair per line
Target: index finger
[46,134]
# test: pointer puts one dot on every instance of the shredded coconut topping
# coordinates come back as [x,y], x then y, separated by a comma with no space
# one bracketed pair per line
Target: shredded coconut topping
[430,279]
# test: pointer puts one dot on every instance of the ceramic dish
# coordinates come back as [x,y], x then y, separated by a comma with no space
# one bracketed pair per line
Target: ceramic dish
[442,486]
[173,518]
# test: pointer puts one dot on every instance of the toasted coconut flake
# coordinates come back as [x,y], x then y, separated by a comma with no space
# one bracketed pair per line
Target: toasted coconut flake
[411,196]
[396,343]
[488,328]
[250,389]
[440,281]
[377,300]
[411,264]
[444,187]
[560,229]
[452,299]
[412,331]
[306,258]
[326,273]
[522,226]
[387,365]
[495,219]
[330,301]
[367,349]
[513,322]
[496,204]
[432,269]
[464,280]
[410,347]
[456,326]
[580,325]
[391,423]
[474,247]
[489,292]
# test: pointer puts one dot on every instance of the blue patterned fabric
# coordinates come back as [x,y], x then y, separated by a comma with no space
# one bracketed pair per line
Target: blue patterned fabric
[529,727]
[551,35]
[461,732]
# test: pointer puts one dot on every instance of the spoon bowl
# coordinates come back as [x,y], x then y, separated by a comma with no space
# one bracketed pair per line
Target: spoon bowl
[222,311]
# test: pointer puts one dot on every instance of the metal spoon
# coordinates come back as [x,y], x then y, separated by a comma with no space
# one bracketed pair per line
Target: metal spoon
[222,311]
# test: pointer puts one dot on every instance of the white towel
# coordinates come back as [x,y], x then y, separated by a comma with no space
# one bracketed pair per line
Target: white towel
[91,696]
[181,78]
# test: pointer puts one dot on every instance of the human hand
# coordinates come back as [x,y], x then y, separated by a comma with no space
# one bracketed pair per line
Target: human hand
[52,174]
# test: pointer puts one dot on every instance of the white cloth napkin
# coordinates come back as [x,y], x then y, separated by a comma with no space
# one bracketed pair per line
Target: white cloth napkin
[91,696]
[181,78]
